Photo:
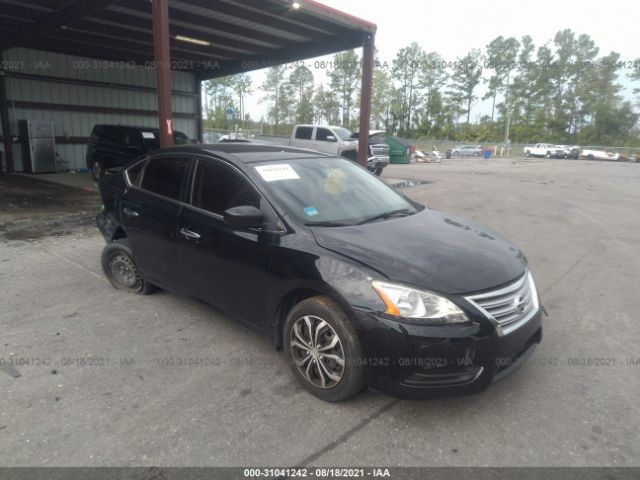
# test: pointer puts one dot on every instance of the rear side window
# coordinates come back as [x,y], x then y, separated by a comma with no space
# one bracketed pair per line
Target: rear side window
[165,176]
[115,136]
[218,188]
[304,133]
[133,173]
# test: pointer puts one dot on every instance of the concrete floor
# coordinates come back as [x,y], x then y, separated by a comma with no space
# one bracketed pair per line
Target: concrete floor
[97,387]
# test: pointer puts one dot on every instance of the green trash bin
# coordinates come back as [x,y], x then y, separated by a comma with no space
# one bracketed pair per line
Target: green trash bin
[400,150]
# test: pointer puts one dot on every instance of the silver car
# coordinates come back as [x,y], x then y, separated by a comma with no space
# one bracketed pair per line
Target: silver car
[466,151]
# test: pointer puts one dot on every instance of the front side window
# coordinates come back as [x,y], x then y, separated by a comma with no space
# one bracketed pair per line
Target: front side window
[323,133]
[217,188]
[165,176]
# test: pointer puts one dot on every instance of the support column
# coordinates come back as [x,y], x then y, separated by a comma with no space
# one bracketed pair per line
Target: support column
[199,106]
[6,126]
[160,15]
[368,43]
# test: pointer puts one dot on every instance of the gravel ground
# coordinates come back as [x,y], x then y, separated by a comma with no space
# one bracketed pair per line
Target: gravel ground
[101,382]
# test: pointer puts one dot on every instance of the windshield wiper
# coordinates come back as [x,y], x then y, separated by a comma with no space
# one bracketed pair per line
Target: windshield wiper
[326,224]
[389,214]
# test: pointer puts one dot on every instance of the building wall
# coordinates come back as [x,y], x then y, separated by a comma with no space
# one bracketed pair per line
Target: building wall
[62,88]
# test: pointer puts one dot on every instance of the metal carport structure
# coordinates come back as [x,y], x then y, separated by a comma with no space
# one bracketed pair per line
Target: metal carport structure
[207,38]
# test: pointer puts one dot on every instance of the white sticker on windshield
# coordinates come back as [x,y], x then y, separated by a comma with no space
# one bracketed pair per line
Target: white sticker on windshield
[271,173]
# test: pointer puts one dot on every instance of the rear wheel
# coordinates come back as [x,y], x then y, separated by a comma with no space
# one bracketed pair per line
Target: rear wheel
[548,155]
[324,349]
[121,270]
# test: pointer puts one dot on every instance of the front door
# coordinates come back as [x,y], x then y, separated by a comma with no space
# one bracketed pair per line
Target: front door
[222,265]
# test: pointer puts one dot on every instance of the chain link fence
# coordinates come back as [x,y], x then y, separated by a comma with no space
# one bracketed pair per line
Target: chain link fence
[514,149]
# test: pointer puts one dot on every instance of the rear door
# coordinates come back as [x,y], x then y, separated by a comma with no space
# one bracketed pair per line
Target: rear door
[219,264]
[150,214]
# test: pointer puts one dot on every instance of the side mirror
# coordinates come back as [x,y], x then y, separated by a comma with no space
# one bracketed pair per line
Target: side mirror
[243,216]
[331,138]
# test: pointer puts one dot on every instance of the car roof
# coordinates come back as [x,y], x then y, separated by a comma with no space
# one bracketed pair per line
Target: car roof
[245,152]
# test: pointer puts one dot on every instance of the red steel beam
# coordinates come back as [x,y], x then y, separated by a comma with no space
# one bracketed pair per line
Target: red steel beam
[368,43]
[160,16]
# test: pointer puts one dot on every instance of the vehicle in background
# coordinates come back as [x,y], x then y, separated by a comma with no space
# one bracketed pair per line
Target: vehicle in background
[332,265]
[378,151]
[546,150]
[568,151]
[115,145]
[335,141]
[426,157]
[466,151]
[210,137]
[326,139]
[599,154]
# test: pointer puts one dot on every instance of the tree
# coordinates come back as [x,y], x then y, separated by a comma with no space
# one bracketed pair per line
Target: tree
[501,59]
[381,92]
[407,69]
[241,83]
[465,79]
[301,79]
[272,86]
[219,92]
[327,107]
[433,78]
[345,79]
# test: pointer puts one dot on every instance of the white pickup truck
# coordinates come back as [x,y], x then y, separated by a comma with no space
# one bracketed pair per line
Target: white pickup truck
[546,150]
[342,142]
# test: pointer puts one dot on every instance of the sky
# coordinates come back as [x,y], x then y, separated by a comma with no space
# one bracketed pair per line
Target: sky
[454,27]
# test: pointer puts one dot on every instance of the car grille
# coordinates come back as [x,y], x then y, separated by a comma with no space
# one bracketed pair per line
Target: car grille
[509,307]
[379,150]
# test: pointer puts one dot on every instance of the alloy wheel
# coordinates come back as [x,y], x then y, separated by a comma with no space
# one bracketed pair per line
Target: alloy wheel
[317,351]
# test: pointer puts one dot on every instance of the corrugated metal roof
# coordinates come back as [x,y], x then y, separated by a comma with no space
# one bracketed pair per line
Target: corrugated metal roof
[234,35]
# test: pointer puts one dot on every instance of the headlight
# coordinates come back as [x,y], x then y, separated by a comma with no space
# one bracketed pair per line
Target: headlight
[406,302]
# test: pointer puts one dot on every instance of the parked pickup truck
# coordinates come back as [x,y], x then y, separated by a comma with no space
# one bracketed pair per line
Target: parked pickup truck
[338,141]
[546,150]
[378,151]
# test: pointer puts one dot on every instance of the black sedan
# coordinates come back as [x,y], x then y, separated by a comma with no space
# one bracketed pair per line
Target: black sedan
[358,284]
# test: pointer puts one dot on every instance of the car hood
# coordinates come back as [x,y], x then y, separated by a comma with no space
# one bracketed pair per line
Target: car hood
[432,250]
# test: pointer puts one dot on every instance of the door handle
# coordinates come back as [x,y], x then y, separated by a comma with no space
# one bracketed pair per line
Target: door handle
[130,213]
[189,234]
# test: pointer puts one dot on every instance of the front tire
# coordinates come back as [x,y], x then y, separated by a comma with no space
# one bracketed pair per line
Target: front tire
[120,269]
[527,154]
[324,350]
[548,155]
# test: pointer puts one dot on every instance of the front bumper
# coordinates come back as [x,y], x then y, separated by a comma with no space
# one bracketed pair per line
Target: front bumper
[373,163]
[419,361]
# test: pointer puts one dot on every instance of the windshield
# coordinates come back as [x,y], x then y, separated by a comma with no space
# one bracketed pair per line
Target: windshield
[330,192]
[343,133]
